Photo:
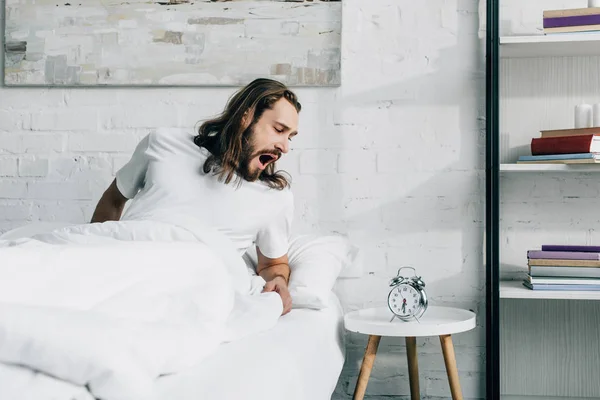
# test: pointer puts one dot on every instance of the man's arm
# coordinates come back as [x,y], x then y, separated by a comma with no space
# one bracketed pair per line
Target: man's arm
[111,204]
[276,272]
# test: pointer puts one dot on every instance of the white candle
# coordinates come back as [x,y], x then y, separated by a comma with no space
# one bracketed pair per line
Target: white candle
[596,115]
[583,116]
[593,3]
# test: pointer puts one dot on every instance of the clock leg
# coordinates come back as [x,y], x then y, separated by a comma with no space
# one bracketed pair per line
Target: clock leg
[366,367]
[413,367]
[451,369]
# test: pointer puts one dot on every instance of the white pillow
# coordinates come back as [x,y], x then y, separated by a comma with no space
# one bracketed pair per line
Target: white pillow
[316,262]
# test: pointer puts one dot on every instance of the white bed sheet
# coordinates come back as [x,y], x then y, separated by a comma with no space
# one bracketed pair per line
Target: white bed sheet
[301,358]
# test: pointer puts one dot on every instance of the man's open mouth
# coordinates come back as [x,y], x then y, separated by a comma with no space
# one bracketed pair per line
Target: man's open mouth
[266,159]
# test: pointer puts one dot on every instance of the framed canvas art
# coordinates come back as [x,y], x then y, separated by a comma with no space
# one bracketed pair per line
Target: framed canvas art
[171,42]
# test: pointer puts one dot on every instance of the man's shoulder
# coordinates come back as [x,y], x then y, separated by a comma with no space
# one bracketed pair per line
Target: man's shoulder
[284,197]
[170,140]
[172,135]
[288,194]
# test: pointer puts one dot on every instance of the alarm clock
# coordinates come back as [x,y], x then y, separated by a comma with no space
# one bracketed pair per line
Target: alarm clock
[407,298]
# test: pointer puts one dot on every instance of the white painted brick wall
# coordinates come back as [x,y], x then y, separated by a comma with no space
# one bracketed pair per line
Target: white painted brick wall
[32,166]
[393,157]
[8,166]
[319,162]
[11,142]
[44,143]
[101,142]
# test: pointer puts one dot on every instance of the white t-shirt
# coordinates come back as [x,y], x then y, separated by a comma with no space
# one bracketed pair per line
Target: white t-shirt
[165,176]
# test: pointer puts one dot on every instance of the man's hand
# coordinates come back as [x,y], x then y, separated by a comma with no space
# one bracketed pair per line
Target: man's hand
[278,285]
[276,272]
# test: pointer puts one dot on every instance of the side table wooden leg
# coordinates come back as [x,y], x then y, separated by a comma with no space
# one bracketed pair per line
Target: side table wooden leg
[366,367]
[413,367]
[451,369]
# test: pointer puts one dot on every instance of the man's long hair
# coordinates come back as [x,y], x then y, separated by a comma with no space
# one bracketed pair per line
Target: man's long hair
[227,137]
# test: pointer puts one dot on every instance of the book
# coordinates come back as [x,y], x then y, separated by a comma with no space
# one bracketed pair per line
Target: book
[565,29]
[559,280]
[572,20]
[567,161]
[576,158]
[570,247]
[570,12]
[564,272]
[564,263]
[561,287]
[565,145]
[564,255]
[569,132]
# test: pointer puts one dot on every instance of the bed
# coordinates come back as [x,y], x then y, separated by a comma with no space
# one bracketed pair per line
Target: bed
[299,358]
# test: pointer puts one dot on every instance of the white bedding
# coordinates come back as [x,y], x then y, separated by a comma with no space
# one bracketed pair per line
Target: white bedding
[113,306]
[299,359]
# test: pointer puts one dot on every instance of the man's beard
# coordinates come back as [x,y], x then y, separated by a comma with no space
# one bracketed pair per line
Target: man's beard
[249,153]
[246,157]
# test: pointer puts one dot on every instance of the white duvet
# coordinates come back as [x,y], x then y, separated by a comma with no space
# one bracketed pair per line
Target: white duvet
[111,307]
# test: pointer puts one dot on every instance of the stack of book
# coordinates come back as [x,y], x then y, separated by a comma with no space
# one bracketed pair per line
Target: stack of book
[562,267]
[572,20]
[565,146]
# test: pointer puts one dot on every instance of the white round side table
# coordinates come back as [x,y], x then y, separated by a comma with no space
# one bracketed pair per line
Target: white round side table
[437,321]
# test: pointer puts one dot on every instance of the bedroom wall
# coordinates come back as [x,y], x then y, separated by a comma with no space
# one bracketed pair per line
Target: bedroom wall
[394,158]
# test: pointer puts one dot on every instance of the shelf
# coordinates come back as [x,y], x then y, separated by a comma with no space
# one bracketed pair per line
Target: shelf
[516,290]
[550,167]
[555,45]
[523,397]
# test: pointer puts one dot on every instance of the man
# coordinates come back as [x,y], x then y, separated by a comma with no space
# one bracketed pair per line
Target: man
[225,176]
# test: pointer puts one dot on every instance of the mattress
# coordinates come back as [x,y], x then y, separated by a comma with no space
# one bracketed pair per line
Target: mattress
[301,358]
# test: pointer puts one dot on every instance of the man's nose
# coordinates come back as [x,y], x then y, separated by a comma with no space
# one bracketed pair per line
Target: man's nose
[283,146]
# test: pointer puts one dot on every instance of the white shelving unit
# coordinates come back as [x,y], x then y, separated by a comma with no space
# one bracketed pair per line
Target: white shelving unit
[550,167]
[516,290]
[576,44]
[541,330]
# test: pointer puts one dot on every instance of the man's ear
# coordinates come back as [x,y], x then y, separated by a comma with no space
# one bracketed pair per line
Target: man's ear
[246,119]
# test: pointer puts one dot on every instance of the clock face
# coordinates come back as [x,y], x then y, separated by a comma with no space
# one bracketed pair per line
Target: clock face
[404,300]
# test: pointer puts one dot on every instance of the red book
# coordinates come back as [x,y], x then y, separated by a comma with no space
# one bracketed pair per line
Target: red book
[565,145]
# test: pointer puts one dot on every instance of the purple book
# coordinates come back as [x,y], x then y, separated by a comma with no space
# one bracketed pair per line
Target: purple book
[570,248]
[563,255]
[575,20]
